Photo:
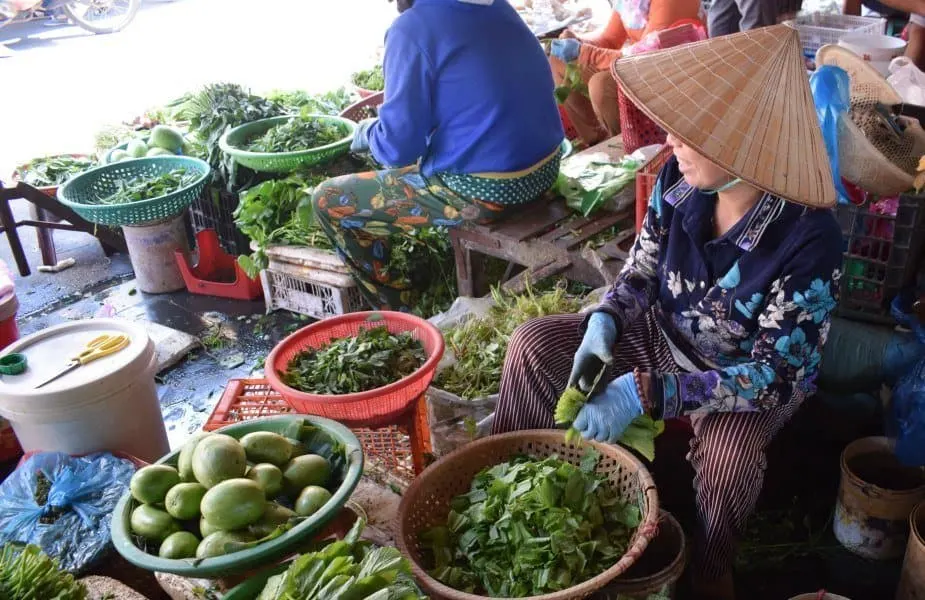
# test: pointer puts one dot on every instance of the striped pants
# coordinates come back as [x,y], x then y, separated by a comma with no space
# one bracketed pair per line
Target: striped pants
[727,451]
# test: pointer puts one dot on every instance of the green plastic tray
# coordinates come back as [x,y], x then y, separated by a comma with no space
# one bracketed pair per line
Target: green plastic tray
[253,558]
[283,162]
[80,192]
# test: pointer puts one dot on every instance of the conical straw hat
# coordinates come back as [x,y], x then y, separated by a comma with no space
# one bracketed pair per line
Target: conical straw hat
[744,102]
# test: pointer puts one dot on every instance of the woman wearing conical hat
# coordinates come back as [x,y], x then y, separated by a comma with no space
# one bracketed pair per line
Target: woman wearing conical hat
[723,306]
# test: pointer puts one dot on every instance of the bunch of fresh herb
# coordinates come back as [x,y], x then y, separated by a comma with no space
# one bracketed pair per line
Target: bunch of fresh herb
[530,527]
[144,187]
[640,435]
[480,345]
[372,79]
[349,568]
[298,133]
[217,108]
[54,170]
[424,257]
[328,103]
[26,573]
[371,359]
[279,211]
[571,82]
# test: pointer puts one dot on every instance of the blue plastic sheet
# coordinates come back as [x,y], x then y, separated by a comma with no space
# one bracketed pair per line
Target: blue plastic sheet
[831,94]
[82,496]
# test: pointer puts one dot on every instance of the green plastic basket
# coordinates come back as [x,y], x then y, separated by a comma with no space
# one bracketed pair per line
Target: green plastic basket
[348,475]
[82,191]
[283,162]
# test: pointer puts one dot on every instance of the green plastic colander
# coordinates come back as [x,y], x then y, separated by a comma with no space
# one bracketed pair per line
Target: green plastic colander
[84,191]
[283,162]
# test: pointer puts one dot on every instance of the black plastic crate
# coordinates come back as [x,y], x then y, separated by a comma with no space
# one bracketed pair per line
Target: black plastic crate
[214,209]
[881,256]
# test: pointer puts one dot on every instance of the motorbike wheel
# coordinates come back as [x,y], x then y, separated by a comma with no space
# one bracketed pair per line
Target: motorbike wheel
[102,16]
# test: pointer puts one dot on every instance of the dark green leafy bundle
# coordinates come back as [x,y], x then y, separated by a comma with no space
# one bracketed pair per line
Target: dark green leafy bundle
[217,108]
[372,79]
[328,103]
[424,257]
[298,133]
[479,345]
[141,188]
[26,573]
[571,82]
[529,527]
[344,570]
[54,170]
[279,211]
[371,359]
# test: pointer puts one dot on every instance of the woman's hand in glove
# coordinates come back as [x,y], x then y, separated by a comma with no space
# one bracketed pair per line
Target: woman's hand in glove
[361,137]
[607,415]
[566,50]
[595,351]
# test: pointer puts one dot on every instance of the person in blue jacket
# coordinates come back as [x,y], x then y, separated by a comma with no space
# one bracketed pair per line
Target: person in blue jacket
[469,130]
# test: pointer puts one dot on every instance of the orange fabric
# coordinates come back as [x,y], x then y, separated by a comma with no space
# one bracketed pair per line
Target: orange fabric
[662,15]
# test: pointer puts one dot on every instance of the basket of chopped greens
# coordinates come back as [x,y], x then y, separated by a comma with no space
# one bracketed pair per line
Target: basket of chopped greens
[363,368]
[527,514]
[136,192]
[47,173]
[283,144]
[244,496]
[368,82]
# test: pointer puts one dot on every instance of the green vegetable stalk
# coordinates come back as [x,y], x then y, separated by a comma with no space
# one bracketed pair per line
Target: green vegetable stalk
[571,82]
[529,527]
[26,573]
[639,436]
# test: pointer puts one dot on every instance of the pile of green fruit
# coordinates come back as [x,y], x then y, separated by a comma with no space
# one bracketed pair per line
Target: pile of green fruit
[163,141]
[227,495]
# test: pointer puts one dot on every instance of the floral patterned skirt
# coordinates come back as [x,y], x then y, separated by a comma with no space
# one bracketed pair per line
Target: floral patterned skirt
[362,213]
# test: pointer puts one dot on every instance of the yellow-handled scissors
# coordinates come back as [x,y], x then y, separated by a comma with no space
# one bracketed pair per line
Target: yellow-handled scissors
[96,348]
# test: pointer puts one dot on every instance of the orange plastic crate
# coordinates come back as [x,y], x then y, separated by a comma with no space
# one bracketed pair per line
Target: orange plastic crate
[400,449]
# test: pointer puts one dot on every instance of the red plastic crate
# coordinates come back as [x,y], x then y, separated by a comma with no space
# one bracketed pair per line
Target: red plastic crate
[217,273]
[399,449]
[645,182]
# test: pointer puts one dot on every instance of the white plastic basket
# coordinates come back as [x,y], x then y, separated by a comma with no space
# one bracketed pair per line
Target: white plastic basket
[309,282]
[818,29]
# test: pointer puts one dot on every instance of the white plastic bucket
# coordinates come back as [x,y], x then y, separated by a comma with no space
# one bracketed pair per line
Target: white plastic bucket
[109,404]
[151,249]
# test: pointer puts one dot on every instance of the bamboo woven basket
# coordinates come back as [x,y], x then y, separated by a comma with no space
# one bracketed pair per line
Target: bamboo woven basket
[427,502]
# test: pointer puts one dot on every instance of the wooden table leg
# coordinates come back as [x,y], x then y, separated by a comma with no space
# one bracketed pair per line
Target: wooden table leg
[9,226]
[46,239]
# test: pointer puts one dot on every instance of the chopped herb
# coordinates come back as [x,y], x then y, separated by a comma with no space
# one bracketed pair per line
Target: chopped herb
[371,79]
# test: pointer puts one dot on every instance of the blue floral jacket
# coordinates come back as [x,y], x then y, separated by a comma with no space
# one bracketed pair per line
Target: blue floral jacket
[745,314]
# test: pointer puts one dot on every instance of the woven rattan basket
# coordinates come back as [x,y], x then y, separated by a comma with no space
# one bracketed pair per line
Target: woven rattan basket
[427,502]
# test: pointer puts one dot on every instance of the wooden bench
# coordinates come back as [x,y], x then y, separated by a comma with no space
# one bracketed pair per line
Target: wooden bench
[547,239]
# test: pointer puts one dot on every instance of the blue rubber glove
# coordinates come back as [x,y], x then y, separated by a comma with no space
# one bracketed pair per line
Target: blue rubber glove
[361,137]
[595,351]
[565,50]
[607,415]
[901,354]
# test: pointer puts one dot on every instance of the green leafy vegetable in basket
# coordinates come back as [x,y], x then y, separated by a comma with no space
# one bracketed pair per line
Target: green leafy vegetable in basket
[640,436]
[344,570]
[217,108]
[54,170]
[529,527]
[479,345]
[145,187]
[26,573]
[298,133]
[372,79]
[328,103]
[371,359]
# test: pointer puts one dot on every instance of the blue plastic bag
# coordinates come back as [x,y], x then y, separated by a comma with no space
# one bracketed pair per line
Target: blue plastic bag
[831,89]
[82,495]
[906,424]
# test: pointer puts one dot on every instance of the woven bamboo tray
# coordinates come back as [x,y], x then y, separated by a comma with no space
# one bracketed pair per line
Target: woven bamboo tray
[427,501]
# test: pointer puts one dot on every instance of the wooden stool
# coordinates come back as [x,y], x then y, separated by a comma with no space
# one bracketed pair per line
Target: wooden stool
[546,239]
